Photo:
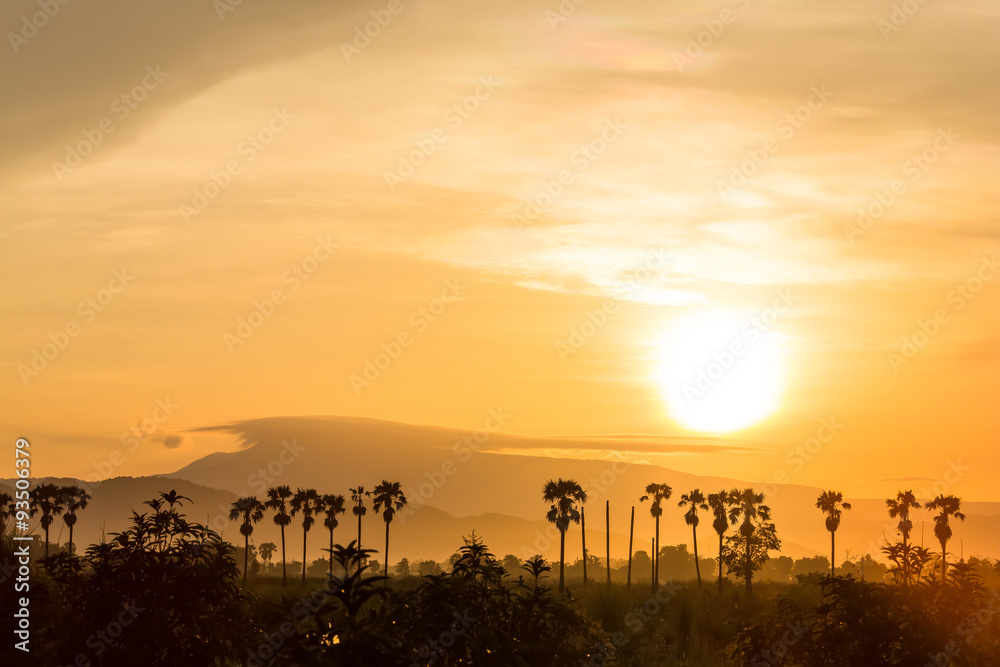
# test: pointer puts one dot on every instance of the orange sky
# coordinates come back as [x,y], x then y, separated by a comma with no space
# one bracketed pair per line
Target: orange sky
[553,161]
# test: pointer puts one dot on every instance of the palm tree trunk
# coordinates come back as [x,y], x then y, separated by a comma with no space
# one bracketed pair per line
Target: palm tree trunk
[906,563]
[305,534]
[284,567]
[386,569]
[70,539]
[331,552]
[656,568]
[583,533]
[246,556]
[697,568]
[607,537]
[359,531]
[562,561]
[747,570]
[46,541]
[944,554]
[631,529]
[720,563]
[833,554]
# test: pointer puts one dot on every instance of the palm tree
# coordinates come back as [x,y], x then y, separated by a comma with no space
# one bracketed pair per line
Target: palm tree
[750,506]
[387,497]
[46,500]
[563,494]
[359,510]
[832,502]
[332,506]
[947,507]
[694,501]
[266,551]
[720,503]
[277,498]
[74,499]
[307,502]
[659,493]
[252,511]
[900,506]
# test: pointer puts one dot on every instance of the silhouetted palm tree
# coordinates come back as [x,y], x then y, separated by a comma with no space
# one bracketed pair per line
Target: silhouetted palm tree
[74,499]
[277,499]
[172,498]
[694,501]
[252,511]
[563,494]
[46,500]
[720,503]
[900,506]
[266,551]
[947,507]
[750,506]
[659,493]
[359,510]
[332,506]
[307,502]
[832,502]
[387,497]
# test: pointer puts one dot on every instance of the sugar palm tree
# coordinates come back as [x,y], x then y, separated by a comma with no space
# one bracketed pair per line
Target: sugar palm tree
[277,500]
[900,506]
[720,504]
[832,503]
[332,506]
[563,494]
[947,507]
[750,506]
[46,500]
[359,510]
[306,502]
[75,499]
[252,511]
[266,551]
[658,493]
[694,501]
[387,498]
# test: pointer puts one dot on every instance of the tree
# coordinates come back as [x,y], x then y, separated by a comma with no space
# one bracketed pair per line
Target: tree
[74,498]
[7,511]
[563,494]
[832,502]
[252,511]
[277,500]
[720,503]
[658,493]
[694,501]
[757,535]
[900,506]
[387,497]
[46,499]
[947,507]
[306,502]
[331,506]
[359,510]
[266,551]
[403,568]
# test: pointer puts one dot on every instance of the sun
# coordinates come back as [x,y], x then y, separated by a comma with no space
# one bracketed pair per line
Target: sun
[721,371]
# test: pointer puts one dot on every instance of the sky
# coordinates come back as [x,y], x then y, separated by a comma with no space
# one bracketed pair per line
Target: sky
[421,211]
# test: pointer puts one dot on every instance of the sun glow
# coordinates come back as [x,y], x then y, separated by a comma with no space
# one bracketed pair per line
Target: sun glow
[721,371]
